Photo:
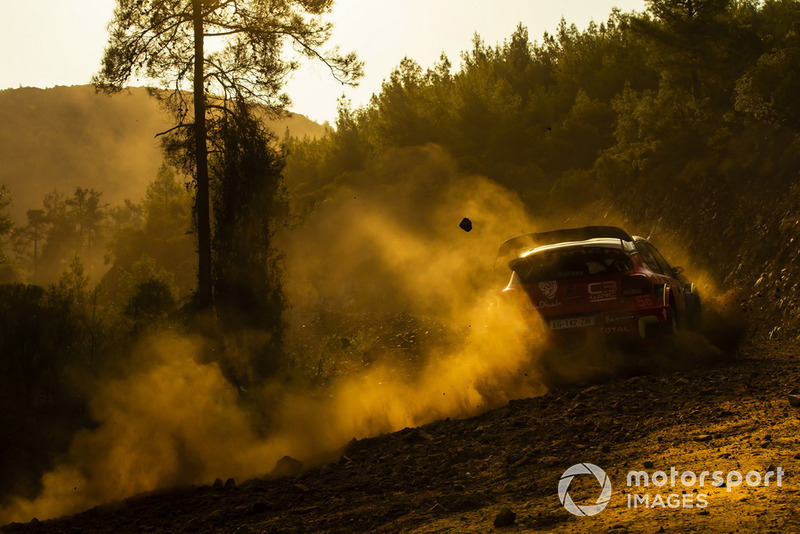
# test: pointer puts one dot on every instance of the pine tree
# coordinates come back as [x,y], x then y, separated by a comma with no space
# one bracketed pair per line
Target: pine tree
[164,41]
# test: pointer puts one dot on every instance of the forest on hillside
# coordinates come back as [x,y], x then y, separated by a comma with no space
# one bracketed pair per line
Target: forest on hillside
[684,113]
[682,121]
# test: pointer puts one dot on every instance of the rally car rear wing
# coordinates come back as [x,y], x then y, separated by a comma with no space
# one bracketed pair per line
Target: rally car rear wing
[529,241]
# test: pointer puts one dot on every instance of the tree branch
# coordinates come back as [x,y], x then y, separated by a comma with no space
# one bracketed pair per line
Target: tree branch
[165,132]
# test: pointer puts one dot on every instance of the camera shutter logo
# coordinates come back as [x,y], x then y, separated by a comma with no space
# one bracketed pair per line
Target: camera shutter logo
[584,469]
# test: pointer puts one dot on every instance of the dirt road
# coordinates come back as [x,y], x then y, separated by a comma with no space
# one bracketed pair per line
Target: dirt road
[457,476]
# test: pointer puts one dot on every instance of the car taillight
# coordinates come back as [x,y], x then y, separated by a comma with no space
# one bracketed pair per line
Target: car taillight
[637,284]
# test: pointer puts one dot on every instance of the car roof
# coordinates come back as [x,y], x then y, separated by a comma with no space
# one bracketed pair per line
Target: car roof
[600,242]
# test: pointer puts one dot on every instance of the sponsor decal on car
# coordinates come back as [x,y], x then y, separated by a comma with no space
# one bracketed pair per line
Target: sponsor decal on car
[548,304]
[571,291]
[572,322]
[616,329]
[618,318]
[600,291]
[548,288]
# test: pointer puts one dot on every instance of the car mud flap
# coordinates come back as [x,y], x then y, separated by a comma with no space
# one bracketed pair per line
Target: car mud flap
[644,322]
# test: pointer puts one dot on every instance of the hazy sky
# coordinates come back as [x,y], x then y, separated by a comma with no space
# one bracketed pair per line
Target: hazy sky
[60,42]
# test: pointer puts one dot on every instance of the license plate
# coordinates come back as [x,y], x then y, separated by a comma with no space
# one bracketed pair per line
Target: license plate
[571,322]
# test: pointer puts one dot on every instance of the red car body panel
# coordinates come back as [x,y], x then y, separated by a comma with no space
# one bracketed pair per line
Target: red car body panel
[601,283]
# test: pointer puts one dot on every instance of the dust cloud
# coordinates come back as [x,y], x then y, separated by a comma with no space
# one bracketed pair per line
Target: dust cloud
[385,242]
[171,420]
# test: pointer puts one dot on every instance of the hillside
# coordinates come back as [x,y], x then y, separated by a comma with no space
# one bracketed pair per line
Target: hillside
[457,475]
[65,137]
[406,395]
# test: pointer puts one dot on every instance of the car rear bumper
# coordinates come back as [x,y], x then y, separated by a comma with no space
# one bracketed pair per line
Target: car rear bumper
[627,325]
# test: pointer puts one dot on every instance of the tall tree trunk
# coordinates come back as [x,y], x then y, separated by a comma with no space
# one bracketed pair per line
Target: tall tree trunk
[35,252]
[204,292]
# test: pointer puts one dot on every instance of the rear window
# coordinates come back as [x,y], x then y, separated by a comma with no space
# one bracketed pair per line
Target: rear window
[570,263]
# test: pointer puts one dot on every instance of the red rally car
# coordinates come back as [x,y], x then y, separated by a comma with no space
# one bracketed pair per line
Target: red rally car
[599,281]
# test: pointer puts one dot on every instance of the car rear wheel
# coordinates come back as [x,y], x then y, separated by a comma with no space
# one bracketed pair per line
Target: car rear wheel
[694,308]
[674,320]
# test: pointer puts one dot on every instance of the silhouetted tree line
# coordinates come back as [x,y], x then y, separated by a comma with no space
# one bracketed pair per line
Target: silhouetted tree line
[249,205]
[63,328]
[668,113]
[235,203]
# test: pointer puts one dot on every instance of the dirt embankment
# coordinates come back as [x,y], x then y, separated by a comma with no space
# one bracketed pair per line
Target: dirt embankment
[457,475]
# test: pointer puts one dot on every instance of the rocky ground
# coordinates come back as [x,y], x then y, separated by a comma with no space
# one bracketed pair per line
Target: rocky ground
[499,471]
